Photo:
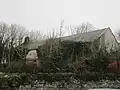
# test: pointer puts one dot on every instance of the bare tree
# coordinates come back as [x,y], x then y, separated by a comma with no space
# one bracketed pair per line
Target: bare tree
[82,28]
[22,32]
[61,31]
[4,40]
[17,33]
[54,37]
[36,35]
[10,37]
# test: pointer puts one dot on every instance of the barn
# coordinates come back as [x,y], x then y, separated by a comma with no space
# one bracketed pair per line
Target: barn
[103,37]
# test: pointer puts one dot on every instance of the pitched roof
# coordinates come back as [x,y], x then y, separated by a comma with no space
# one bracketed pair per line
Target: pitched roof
[33,45]
[87,36]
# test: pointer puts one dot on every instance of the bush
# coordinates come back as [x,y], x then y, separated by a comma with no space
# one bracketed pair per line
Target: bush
[13,80]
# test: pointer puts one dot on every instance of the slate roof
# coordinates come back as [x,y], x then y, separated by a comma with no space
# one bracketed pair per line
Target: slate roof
[88,36]
[32,45]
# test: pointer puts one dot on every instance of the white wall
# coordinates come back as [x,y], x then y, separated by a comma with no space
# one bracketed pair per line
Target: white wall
[32,55]
[110,41]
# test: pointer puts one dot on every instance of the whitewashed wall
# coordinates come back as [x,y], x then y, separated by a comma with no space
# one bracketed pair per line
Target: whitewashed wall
[109,40]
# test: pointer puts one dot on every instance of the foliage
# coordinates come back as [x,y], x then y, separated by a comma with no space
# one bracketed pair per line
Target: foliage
[14,80]
[71,56]
[66,53]
[11,81]
[100,60]
[19,53]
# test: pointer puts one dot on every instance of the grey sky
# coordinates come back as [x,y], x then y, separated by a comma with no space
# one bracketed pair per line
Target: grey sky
[47,14]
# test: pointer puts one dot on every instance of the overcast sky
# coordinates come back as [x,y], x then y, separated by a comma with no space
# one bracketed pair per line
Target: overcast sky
[47,14]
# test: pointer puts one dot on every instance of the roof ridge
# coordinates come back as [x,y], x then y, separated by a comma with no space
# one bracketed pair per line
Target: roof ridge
[86,32]
[86,36]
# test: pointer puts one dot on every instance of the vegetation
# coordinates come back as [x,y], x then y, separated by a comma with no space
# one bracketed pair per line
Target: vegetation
[59,60]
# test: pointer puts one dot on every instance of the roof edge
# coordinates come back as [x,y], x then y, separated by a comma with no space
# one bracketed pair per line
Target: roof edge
[113,35]
[104,32]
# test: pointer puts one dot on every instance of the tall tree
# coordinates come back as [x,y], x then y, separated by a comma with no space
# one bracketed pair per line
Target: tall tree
[10,37]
